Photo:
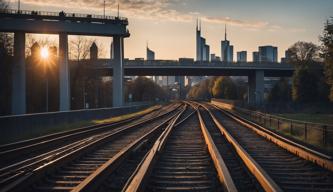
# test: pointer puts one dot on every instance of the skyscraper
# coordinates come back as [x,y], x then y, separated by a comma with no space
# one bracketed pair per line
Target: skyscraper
[150,54]
[198,42]
[202,52]
[255,56]
[202,49]
[242,56]
[267,54]
[227,50]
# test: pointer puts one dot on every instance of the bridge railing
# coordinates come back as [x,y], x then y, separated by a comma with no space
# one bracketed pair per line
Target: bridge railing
[315,134]
[197,63]
[59,15]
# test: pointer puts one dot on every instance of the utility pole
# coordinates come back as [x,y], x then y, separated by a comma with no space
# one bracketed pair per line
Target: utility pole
[118,10]
[104,10]
[19,5]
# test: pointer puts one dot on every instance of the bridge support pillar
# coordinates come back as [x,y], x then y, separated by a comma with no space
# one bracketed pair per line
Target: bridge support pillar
[256,87]
[64,73]
[18,86]
[118,72]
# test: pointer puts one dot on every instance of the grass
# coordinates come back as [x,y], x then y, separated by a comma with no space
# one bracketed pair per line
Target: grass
[313,118]
[75,125]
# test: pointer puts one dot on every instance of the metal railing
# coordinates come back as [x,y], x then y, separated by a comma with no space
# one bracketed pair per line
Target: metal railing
[315,134]
[59,15]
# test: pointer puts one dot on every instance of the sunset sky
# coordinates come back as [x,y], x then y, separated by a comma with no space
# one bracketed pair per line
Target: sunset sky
[169,25]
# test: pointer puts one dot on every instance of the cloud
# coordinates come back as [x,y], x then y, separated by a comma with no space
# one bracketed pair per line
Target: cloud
[236,22]
[156,10]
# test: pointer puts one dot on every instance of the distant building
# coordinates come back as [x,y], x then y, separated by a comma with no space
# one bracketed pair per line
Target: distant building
[53,51]
[202,49]
[207,52]
[286,57]
[267,54]
[186,61]
[35,50]
[255,56]
[202,52]
[93,51]
[242,56]
[227,50]
[213,57]
[150,54]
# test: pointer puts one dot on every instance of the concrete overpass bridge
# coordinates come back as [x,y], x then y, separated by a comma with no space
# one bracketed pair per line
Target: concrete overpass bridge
[195,68]
[64,24]
[21,22]
[254,71]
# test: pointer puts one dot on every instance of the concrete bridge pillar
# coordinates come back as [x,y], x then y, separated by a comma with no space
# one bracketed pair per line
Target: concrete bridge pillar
[18,86]
[64,73]
[256,87]
[118,72]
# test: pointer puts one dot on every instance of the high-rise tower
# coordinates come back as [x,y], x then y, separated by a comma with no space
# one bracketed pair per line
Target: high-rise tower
[198,42]
[227,50]
[202,49]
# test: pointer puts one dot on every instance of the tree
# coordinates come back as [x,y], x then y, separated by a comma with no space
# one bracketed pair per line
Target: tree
[144,89]
[307,83]
[202,90]
[281,91]
[224,88]
[302,53]
[327,49]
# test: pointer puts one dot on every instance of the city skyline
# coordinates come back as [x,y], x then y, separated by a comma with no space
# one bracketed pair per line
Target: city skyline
[166,23]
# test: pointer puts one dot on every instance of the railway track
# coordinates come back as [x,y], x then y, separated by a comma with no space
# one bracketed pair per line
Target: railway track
[178,161]
[191,147]
[11,176]
[284,171]
[239,173]
[19,151]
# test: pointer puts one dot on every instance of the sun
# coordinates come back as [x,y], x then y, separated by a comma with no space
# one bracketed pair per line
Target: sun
[44,53]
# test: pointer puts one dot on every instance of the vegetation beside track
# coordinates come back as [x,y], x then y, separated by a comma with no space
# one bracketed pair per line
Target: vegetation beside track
[75,125]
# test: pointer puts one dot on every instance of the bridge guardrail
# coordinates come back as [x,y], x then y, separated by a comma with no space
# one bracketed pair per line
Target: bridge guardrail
[59,14]
[315,134]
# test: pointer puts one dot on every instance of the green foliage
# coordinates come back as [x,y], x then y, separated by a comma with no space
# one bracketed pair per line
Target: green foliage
[144,89]
[217,87]
[303,52]
[202,90]
[224,88]
[304,86]
[307,83]
[327,49]
[281,91]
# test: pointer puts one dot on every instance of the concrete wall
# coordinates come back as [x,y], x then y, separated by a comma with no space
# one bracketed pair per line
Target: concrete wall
[31,125]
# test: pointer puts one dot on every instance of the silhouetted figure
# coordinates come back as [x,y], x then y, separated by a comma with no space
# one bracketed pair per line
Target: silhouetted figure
[62,14]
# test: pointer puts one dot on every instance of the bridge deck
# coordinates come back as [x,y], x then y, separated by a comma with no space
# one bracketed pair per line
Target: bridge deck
[172,68]
[61,22]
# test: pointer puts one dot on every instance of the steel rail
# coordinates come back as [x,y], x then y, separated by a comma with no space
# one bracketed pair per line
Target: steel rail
[262,176]
[25,171]
[92,182]
[37,145]
[221,167]
[16,146]
[302,151]
[137,180]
